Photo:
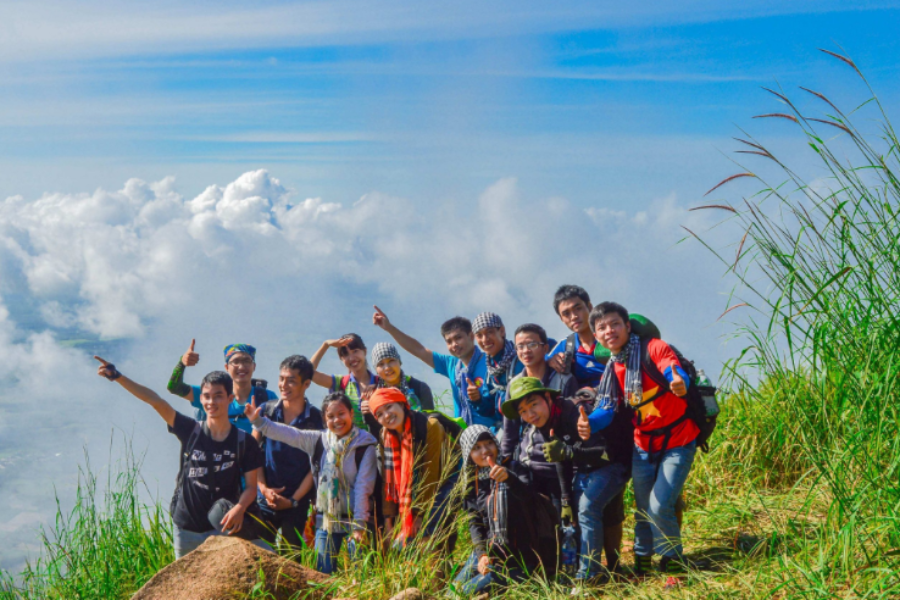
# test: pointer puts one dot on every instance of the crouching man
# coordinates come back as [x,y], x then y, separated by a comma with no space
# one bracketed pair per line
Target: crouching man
[215,454]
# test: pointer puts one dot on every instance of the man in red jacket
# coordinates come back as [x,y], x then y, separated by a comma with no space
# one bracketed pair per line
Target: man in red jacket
[664,438]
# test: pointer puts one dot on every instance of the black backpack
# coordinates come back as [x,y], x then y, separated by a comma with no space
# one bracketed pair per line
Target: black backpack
[702,407]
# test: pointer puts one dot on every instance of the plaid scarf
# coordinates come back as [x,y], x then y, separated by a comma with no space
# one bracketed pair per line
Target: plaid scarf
[497,369]
[460,379]
[609,391]
[403,386]
[398,474]
[331,480]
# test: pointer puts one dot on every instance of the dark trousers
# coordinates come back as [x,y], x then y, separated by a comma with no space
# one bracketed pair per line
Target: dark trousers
[291,522]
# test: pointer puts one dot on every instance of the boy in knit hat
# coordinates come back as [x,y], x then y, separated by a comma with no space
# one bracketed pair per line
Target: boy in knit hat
[512,528]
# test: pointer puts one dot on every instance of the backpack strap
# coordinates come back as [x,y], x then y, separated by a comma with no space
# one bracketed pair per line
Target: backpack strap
[569,356]
[345,381]
[358,457]
[187,451]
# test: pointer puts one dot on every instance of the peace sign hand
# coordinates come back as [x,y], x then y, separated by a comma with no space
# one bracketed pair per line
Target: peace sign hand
[253,413]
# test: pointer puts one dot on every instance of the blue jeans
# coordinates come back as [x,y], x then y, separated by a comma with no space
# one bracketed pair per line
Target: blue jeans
[656,528]
[469,582]
[593,491]
[327,548]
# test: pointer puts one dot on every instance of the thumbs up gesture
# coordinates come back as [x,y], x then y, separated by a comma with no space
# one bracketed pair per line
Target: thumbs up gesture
[190,358]
[677,386]
[472,390]
[380,319]
[498,473]
[584,426]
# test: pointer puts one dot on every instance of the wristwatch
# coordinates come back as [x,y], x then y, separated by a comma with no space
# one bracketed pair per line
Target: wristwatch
[294,503]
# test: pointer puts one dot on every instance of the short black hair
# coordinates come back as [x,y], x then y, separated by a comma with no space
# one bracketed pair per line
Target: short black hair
[300,364]
[456,323]
[533,328]
[218,378]
[339,397]
[355,344]
[569,292]
[605,308]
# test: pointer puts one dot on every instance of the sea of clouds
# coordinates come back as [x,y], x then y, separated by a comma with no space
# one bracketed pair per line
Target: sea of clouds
[137,273]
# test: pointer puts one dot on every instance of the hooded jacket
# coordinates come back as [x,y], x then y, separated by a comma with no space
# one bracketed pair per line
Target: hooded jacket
[360,484]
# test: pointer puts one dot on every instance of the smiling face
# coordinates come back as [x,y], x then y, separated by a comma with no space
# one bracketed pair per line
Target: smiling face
[459,343]
[338,419]
[530,349]
[483,450]
[391,416]
[354,359]
[534,409]
[612,332]
[215,400]
[241,367]
[389,370]
[291,386]
[490,340]
[574,314]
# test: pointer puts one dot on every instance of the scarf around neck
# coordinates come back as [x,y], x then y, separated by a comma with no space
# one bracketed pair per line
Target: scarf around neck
[609,391]
[462,373]
[398,474]
[331,481]
[403,386]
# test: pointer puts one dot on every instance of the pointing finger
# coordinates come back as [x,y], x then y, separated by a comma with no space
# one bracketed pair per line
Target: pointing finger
[103,362]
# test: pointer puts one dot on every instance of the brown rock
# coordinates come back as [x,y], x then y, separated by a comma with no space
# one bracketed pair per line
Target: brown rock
[409,594]
[224,568]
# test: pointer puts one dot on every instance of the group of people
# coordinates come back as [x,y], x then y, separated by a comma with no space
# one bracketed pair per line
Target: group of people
[543,435]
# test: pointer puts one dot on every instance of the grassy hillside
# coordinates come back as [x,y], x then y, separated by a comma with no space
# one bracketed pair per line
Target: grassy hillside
[799,498]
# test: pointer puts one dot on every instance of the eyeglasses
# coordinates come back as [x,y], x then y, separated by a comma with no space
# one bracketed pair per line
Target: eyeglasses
[529,345]
[241,361]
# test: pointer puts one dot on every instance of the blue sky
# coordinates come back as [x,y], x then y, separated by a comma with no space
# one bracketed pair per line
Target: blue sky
[595,102]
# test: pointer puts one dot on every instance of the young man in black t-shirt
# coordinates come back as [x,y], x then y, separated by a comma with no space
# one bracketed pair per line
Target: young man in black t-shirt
[214,455]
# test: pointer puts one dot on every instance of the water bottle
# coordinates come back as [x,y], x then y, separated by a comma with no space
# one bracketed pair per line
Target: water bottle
[702,379]
[707,393]
[569,551]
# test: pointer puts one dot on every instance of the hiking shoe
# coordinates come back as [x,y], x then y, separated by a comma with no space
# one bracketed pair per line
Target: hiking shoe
[643,565]
[671,565]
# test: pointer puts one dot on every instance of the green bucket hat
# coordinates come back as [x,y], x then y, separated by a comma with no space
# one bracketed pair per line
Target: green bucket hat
[518,389]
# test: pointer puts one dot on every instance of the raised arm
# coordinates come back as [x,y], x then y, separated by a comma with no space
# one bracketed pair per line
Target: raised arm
[298,438]
[165,410]
[176,384]
[321,379]
[410,344]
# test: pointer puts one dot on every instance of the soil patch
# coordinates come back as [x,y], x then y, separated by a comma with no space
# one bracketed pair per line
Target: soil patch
[224,568]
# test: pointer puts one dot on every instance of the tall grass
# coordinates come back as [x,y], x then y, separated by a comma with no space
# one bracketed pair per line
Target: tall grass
[106,547]
[819,259]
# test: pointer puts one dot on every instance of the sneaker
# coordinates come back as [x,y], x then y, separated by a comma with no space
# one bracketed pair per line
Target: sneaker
[643,565]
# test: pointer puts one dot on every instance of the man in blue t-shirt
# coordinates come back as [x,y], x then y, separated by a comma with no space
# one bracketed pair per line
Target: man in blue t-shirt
[240,363]
[501,361]
[464,366]
[586,360]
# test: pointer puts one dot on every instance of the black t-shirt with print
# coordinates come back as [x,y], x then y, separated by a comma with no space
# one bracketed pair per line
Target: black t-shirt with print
[194,498]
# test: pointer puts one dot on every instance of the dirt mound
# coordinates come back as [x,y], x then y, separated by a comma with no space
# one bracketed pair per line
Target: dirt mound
[226,568]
